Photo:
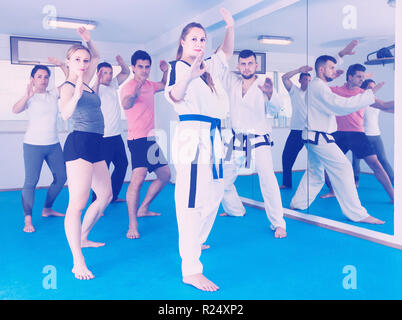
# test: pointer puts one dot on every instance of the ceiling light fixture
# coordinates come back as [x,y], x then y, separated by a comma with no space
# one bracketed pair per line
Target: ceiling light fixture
[70,23]
[278,40]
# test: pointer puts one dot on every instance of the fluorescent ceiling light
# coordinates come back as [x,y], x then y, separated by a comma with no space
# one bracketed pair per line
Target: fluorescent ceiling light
[279,40]
[69,23]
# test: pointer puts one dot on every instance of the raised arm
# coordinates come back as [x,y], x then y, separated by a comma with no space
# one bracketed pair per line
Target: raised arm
[98,81]
[178,90]
[386,106]
[164,66]
[286,77]
[69,97]
[348,50]
[129,100]
[58,63]
[21,104]
[95,56]
[272,100]
[228,43]
[341,105]
[125,70]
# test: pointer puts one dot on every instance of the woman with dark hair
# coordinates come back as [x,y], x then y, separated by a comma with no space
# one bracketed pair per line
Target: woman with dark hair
[197,145]
[85,162]
[373,133]
[41,143]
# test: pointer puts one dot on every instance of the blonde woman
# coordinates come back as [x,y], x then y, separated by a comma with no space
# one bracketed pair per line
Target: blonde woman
[86,167]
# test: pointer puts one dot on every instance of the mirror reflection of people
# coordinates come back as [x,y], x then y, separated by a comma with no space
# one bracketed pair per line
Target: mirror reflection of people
[373,133]
[350,129]
[41,143]
[323,152]
[197,146]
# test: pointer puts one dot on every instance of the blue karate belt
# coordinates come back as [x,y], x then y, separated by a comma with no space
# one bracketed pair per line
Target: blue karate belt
[215,124]
[245,145]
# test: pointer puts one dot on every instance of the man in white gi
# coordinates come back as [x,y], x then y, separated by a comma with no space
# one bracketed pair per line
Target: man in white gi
[250,98]
[323,153]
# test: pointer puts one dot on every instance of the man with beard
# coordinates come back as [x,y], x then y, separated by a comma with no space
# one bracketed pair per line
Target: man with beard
[251,97]
[323,153]
[350,130]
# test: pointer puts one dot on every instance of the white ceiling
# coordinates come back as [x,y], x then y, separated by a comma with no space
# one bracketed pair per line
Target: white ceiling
[155,23]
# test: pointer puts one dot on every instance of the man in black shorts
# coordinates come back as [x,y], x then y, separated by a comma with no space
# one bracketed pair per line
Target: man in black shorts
[137,99]
[350,132]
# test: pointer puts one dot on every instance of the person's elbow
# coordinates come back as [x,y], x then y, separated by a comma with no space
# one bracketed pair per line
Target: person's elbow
[126,104]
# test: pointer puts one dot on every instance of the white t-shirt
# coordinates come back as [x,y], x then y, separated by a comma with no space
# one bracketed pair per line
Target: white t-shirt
[299,109]
[371,127]
[42,110]
[111,110]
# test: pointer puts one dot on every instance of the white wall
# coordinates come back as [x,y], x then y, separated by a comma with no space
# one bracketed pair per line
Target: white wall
[11,169]
[12,132]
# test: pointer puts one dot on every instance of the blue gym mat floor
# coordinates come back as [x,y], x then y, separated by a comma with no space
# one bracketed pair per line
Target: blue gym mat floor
[245,260]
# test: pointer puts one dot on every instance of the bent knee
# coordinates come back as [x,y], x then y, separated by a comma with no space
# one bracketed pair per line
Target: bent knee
[105,197]
[164,174]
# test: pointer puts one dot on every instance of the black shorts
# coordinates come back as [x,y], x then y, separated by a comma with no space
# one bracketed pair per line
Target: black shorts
[357,142]
[84,145]
[146,153]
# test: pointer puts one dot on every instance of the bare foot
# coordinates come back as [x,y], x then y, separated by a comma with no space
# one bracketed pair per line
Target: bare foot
[372,220]
[200,282]
[205,246]
[119,200]
[91,244]
[133,233]
[284,187]
[229,215]
[29,228]
[280,233]
[47,212]
[81,272]
[141,214]
[330,194]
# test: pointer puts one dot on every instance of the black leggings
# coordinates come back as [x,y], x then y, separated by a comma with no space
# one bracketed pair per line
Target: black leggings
[114,152]
[293,145]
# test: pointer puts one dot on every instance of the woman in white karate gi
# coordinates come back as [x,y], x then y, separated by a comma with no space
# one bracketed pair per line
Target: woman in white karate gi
[197,149]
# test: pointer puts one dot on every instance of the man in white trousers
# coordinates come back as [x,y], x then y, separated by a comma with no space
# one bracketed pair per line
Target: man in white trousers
[323,153]
[250,99]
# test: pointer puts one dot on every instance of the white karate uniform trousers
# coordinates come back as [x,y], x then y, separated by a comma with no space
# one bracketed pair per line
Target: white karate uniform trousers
[268,184]
[328,156]
[197,198]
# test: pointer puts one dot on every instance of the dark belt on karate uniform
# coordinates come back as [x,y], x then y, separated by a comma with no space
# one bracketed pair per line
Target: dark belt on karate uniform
[329,138]
[217,172]
[245,145]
